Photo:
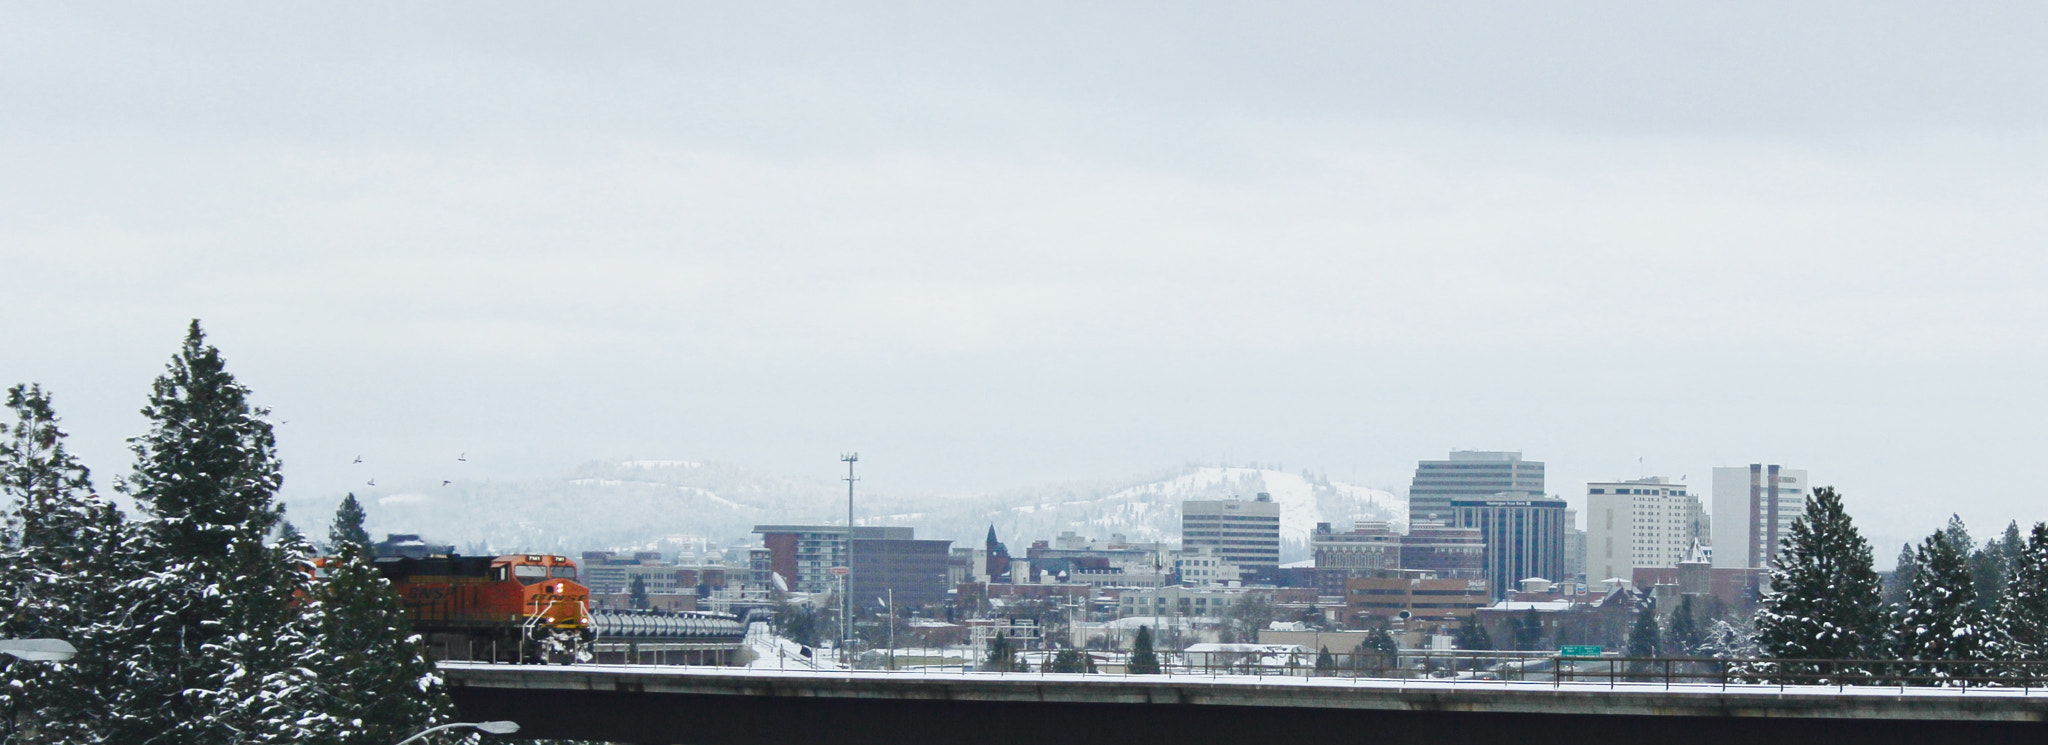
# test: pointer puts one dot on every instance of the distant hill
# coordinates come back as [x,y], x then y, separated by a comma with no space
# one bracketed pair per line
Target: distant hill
[674,505]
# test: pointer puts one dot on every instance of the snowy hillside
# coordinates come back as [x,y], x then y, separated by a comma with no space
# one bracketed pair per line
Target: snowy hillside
[676,504]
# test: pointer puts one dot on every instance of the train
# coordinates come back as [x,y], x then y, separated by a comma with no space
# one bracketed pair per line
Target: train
[521,608]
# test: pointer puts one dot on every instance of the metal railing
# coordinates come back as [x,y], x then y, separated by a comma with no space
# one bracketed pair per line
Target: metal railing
[1553,668]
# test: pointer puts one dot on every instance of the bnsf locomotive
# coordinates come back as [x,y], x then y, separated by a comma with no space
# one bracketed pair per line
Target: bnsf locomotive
[516,608]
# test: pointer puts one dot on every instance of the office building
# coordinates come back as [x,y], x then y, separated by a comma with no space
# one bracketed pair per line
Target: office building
[1447,551]
[882,559]
[1753,512]
[1644,523]
[1368,545]
[914,573]
[1236,531]
[1469,473]
[1524,536]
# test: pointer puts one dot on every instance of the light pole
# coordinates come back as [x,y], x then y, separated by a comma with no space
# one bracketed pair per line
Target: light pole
[846,604]
[494,728]
[39,650]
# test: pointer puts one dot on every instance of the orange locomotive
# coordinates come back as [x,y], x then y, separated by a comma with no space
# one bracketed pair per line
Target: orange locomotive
[515,608]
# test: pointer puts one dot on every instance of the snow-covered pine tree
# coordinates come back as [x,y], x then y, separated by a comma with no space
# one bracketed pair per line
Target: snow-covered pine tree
[373,669]
[1941,622]
[219,663]
[63,574]
[2020,621]
[1824,599]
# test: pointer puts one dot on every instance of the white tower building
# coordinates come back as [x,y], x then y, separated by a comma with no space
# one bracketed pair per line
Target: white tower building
[1753,512]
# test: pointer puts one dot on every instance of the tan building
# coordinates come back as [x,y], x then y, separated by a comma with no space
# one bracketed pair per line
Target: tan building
[1425,600]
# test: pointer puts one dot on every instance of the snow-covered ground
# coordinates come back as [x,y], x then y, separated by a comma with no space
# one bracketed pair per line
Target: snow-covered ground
[772,652]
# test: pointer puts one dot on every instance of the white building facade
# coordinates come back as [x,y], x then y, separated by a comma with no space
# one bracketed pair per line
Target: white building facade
[1753,512]
[1245,533]
[1642,523]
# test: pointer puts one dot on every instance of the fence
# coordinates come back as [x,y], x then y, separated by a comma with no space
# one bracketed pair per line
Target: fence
[1551,667]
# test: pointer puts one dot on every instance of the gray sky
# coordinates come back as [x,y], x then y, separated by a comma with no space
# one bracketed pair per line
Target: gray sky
[994,245]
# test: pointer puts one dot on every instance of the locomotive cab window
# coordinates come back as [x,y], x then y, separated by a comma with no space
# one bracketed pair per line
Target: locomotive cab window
[500,573]
[529,574]
[563,573]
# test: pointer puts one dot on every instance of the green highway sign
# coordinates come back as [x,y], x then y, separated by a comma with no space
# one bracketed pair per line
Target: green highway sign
[1575,650]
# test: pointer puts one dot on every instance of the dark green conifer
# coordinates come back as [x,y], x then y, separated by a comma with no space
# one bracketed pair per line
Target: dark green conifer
[1645,639]
[348,525]
[1941,621]
[373,668]
[225,658]
[2021,617]
[68,569]
[1824,600]
[1144,661]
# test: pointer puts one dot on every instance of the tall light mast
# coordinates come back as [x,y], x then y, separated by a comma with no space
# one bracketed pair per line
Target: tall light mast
[846,597]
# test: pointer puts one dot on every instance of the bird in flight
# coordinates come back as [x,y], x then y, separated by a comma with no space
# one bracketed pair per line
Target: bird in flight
[445,482]
[359,459]
[373,481]
[463,457]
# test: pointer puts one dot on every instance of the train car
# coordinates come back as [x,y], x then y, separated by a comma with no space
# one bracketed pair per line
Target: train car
[514,608]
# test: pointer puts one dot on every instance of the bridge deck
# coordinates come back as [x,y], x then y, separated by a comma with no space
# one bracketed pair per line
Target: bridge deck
[732,705]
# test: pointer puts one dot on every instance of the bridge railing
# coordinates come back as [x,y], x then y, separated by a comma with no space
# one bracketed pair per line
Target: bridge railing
[1551,667]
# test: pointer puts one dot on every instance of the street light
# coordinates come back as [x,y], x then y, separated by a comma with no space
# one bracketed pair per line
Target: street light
[493,728]
[39,650]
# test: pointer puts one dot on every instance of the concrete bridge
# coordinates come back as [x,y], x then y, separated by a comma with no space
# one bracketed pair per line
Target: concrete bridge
[723,705]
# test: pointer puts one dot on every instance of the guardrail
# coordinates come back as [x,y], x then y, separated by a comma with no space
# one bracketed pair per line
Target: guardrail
[1554,668]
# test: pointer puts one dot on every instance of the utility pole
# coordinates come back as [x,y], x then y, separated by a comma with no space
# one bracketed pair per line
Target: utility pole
[846,598]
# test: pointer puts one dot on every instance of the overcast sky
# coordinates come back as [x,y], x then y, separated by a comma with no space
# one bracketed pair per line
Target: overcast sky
[990,246]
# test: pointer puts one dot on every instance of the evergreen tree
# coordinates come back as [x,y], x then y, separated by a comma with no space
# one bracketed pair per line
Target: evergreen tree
[1070,661]
[2021,617]
[1529,632]
[1326,663]
[1824,600]
[1901,577]
[223,660]
[1686,635]
[1988,566]
[1002,657]
[1941,621]
[636,594]
[1143,660]
[348,526]
[1472,636]
[1645,639]
[374,671]
[1379,651]
[67,569]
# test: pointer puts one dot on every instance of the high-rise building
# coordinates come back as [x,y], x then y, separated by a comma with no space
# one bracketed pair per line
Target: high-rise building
[1469,473]
[1753,512]
[1243,533]
[1638,524]
[1524,536]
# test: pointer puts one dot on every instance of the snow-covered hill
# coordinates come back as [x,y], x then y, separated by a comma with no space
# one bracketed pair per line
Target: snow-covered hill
[676,504]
